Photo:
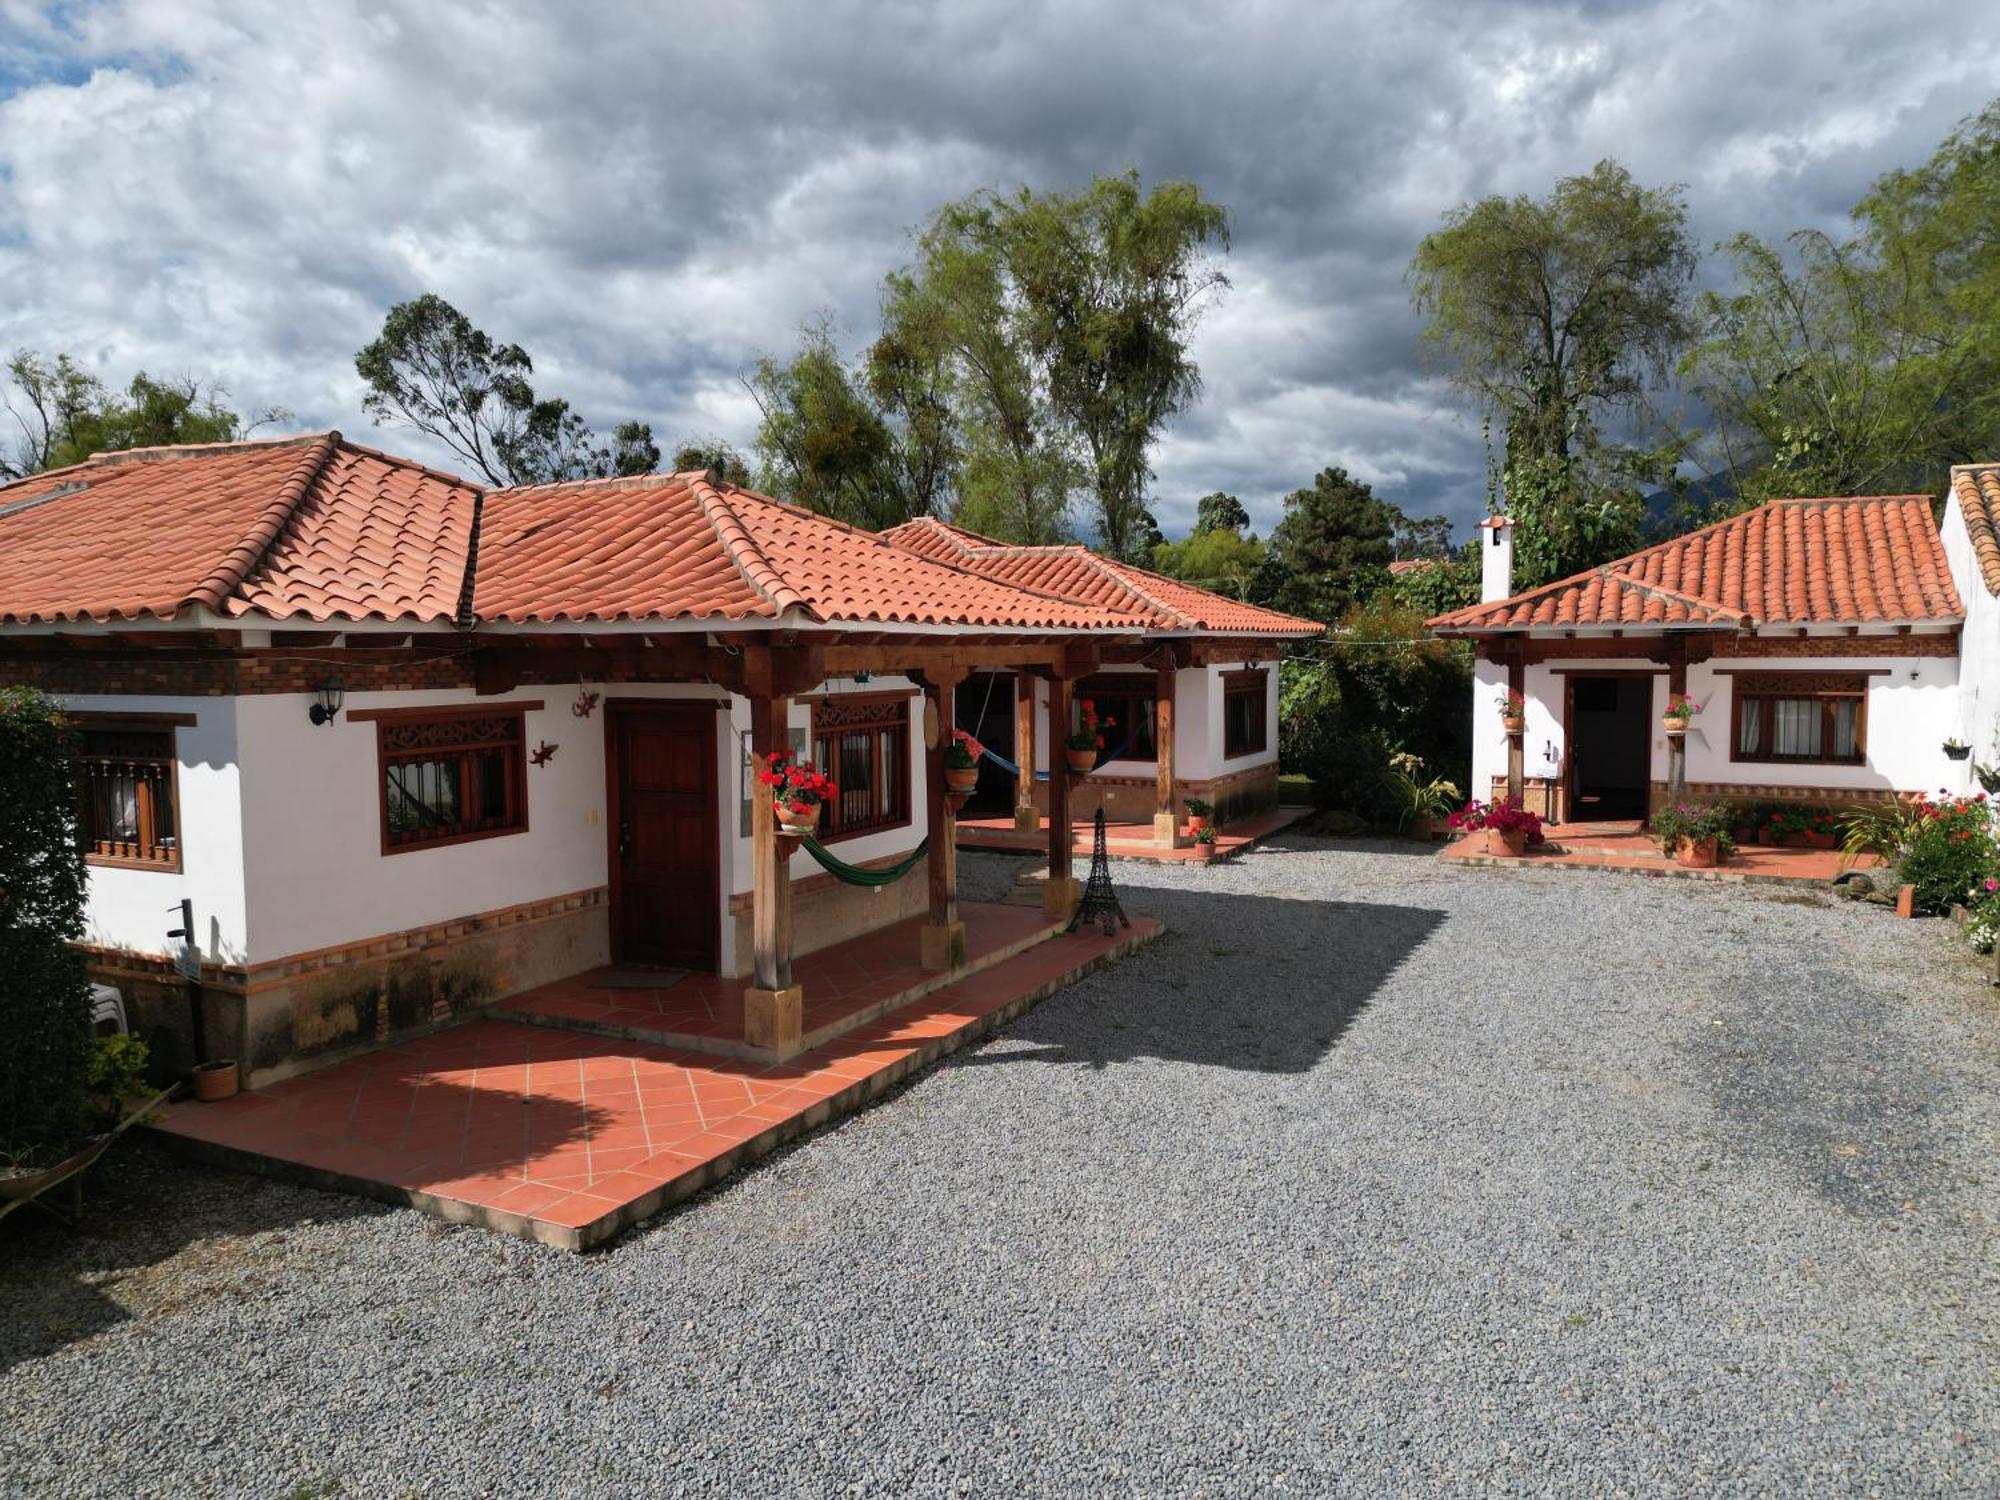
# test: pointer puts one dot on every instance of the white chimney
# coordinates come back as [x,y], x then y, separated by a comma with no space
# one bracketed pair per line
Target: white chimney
[1496,559]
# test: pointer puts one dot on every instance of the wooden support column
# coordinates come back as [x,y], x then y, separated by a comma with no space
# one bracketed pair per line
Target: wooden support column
[944,934]
[1026,818]
[1517,677]
[1061,893]
[773,1006]
[1166,811]
[1677,686]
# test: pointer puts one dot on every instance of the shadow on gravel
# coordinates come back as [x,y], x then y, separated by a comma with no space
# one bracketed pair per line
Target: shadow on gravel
[158,1235]
[1256,983]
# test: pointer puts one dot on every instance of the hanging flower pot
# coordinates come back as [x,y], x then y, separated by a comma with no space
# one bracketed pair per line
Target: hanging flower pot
[1081,748]
[1080,761]
[798,791]
[961,762]
[960,780]
[1680,710]
[1513,713]
[798,819]
[1675,728]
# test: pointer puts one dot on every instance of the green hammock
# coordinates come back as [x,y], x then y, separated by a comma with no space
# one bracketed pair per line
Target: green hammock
[855,874]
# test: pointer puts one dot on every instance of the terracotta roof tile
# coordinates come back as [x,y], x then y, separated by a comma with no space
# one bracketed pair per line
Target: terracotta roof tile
[685,546]
[1977,489]
[1862,561]
[1076,572]
[308,526]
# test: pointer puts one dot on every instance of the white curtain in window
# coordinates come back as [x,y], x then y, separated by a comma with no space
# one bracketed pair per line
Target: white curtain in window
[1846,727]
[1795,726]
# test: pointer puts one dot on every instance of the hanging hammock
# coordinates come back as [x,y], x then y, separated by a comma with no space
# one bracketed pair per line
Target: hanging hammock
[839,869]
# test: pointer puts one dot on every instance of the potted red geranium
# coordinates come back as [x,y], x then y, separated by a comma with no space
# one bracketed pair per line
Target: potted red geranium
[961,763]
[798,790]
[1697,836]
[1197,814]
[1511,830]
[1084,741]
[1680,710]
[1513,713]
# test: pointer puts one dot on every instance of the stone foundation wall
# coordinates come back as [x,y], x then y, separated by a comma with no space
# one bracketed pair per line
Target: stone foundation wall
[1544,796]
[1836,798]
[279,1018]
[826,911]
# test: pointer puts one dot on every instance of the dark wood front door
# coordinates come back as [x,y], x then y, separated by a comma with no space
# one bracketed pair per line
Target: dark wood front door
[666,852]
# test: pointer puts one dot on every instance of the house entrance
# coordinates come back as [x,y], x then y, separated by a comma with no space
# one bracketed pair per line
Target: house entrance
[984,708]
[1610,738]
[666,855]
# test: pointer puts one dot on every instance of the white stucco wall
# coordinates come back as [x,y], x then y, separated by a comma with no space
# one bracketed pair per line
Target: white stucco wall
[135,908]
[1198,726]
[1978,722]
[1913,706]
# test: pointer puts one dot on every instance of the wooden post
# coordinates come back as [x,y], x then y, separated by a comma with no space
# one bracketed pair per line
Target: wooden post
[1677,686]
[1026,818]
[1166,817]
[1517,676]
[773,1007]
[944,935]
[1061,894]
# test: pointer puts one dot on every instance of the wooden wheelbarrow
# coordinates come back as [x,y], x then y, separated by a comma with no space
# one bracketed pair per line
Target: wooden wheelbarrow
[19,1192]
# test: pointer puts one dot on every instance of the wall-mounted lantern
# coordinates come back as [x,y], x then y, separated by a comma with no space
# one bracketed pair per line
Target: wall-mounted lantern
[326,702]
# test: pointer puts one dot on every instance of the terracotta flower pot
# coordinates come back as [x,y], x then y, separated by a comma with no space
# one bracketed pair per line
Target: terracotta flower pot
[1081,762]
[1809,841]
[1421,829]
[961,778]
[1196,822]
[1675,728]
[215,1081]
[1513,724]
[1698,854]
[1204,852]
[798,820]
[1511,844]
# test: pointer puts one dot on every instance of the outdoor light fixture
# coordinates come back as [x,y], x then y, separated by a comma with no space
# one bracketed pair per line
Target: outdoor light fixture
[330,698]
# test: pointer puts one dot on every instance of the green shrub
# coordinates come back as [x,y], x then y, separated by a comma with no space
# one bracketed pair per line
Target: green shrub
[44,997]
[1948,852]
[117,1069]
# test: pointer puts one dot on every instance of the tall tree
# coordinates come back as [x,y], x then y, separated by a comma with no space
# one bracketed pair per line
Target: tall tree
[1553,314]
[64,414]
[1217,511]
[432,370]
[1331,550]
[1427,537]
[910,377]
[716,456]
[1221,558]
[821,442]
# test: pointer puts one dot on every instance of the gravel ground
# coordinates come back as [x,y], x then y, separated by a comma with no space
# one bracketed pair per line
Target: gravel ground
[1373,1176]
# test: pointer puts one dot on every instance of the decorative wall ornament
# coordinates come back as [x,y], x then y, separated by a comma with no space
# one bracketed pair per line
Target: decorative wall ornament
[586,702]
[543,753]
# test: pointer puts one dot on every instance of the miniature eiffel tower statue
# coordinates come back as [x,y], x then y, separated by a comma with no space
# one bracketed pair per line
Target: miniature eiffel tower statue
[1100,902]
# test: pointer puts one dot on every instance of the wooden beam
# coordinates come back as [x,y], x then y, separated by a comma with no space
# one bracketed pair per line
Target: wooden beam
[1026,818]
[943,944]
[770,882]
[1060,894]
[1166,821]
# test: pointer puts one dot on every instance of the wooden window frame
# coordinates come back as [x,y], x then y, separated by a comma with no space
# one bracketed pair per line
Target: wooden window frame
[827,710]
[393,723]
[1242,684]
[135,723]
[1765,688]
[1123,685]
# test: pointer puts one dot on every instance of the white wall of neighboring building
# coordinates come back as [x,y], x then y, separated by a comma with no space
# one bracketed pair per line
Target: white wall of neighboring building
[131,908]
[1978,723]
[1198,725]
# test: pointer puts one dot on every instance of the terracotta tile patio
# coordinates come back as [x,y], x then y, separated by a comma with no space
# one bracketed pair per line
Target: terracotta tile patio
[1625,846]
[566,1137]
[1125,840]
[845,985]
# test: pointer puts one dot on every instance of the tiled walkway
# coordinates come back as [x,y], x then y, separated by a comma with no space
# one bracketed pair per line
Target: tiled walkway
[1624,846]
[844,985]
[1125,840]
[565,1137]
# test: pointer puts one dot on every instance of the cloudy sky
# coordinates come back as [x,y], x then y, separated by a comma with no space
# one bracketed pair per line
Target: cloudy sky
[649,196]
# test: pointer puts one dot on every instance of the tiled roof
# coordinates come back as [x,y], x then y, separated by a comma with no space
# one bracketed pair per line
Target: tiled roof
[1977,487]
[1075,572]
[310,526]
[685,546]
[1864,561]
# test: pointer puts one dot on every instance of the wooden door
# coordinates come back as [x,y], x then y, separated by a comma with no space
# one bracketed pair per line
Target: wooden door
[666,853]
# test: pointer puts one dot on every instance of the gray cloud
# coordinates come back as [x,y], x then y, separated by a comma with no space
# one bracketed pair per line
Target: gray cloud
[651,197]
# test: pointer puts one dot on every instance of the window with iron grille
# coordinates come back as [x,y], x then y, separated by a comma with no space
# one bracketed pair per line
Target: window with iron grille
[126,787]
[1800,718]
[1244,712]
[864,745]
[448,777]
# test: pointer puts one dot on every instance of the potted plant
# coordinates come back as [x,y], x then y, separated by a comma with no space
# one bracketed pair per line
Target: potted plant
[1956,749]
[1084,741]
[798,790]
[1513,712]
[1680,709]
[1197,814]
[1421,803]
[1511,830]
[1697,835]
[1204,842]
[961,762]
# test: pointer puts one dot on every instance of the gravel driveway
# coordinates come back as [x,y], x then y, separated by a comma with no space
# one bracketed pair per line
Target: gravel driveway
[1373,1175]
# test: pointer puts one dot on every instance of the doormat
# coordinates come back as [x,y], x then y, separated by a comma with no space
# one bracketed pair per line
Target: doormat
[638,979]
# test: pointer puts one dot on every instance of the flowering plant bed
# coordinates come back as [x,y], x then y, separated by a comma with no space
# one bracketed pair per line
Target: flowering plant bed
[1798,827]
[1948,850]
